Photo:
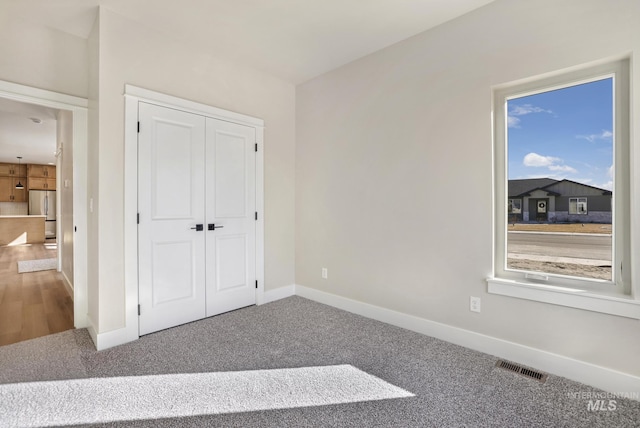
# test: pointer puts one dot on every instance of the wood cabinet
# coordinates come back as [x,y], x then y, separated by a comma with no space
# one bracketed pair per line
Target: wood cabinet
[40,183]
[41,177]
[22,229]
[46,171]
[13,170]
[10,175]
[8,191]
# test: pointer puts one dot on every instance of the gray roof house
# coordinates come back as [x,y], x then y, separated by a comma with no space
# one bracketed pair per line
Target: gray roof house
[557,201]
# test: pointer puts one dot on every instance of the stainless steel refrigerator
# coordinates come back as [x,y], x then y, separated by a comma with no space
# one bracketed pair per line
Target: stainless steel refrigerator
[43,202]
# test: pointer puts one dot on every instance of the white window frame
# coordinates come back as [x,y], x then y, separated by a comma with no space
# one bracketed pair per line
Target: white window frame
[578,202]
[617,297]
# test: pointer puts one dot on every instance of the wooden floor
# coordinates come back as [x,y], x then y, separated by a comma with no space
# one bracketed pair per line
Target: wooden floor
[32,304]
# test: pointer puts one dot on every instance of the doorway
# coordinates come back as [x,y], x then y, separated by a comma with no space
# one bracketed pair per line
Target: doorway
[539,208]
[70,229]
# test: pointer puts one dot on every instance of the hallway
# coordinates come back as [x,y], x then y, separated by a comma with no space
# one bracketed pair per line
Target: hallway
[32,304]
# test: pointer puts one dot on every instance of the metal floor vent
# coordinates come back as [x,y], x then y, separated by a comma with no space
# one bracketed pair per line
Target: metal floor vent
[523,371]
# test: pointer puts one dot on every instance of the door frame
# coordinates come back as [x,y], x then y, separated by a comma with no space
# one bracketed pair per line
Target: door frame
[535,204]
[133,96]
[79,110]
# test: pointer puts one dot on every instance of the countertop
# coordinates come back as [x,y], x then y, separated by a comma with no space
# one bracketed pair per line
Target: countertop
[21,216]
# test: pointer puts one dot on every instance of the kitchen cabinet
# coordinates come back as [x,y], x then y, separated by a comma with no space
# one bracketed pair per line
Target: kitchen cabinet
[13,170]
[41,177]
[8,191]
[45,171]
[22,229]
[41,183]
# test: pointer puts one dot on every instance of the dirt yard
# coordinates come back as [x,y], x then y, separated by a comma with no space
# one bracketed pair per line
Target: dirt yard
[570,269]
[566,228]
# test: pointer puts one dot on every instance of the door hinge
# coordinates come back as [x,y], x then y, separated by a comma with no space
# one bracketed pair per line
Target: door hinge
[138,218]
[256,215]
[256,147]
[256,283]
[138,309]
[138,126]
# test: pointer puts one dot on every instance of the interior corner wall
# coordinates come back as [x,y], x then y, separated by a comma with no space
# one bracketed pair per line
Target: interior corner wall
[42,58]
[394,171]
[129,53]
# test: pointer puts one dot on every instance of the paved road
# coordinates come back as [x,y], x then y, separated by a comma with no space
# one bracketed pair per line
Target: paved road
[595,247]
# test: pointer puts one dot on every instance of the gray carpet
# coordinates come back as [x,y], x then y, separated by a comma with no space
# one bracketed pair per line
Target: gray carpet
[453,386]
[37,265]
[112,399]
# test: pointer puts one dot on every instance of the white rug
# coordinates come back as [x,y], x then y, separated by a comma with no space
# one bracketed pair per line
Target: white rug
[37,265]
[100,400]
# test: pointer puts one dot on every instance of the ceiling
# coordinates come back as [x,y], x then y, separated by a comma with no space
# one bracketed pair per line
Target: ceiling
[21,136]
[295,40]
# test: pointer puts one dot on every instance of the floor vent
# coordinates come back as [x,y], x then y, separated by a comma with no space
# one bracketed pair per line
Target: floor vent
[523,371]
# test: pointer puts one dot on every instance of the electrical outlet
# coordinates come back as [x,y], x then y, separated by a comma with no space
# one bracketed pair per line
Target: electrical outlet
[325,273]
[474,304]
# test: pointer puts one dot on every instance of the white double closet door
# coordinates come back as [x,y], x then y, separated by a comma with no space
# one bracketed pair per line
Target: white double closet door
[196,203]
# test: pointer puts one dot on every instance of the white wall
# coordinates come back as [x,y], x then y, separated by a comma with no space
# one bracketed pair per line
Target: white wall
[64,136]
[394,171]
[93,60]
[43,58]
[128,53]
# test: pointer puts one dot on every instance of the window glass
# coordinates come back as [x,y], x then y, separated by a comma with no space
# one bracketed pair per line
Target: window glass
[578,206]
[560,154]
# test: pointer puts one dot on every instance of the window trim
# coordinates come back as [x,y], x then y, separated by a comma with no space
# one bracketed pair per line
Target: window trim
[613,297]
[578,201]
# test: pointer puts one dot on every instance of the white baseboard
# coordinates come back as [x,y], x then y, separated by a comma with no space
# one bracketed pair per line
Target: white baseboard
[92,331]
[67,284]
[111,338]
[590,374]
[278,293]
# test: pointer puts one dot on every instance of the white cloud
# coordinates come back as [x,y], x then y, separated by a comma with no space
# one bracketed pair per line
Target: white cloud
[607,186]
[554,165]
[534,159]
[563,168]
[604,135]
[521,110]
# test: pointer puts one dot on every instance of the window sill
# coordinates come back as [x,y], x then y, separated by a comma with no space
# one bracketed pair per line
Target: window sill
[618,305]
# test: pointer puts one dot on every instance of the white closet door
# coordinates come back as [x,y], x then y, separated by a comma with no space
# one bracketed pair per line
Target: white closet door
[230,207]
[171,202]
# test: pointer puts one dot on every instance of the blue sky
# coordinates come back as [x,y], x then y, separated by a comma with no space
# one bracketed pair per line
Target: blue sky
[566,133]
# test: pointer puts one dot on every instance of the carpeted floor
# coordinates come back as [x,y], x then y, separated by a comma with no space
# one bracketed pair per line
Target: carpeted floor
[451,386]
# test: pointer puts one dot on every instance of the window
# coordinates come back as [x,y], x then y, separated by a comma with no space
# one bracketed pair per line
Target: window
[515,206]
[577,205]
[559,144]
[560,141]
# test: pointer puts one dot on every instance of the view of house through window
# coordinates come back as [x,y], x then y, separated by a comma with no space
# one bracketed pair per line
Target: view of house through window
[560,181]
